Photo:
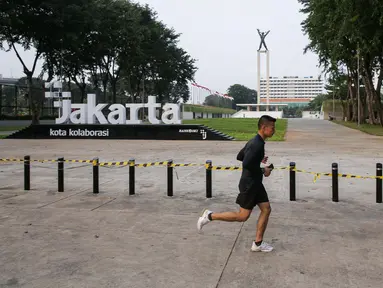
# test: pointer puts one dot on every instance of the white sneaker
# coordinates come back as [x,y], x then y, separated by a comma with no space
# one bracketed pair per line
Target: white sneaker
[264,247]
[203,219]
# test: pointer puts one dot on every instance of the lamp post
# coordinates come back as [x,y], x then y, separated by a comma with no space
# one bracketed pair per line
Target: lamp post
[358,87]
[333,102]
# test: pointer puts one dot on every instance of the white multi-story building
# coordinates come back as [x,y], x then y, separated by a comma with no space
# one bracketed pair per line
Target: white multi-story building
[291,90]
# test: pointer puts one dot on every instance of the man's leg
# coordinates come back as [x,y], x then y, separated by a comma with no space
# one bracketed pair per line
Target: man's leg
[262,220]
[208,216]
[259,244]
[240,216]
[246,202]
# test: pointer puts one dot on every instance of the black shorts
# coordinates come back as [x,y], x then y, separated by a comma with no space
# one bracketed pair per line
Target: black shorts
[250,194]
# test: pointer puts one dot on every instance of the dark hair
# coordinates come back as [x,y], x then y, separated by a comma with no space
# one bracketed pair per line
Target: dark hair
[264,120]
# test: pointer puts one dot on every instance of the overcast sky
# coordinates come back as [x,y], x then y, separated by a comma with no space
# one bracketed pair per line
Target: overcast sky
[222,36]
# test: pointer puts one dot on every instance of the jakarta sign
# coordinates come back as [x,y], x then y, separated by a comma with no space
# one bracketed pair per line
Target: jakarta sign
[92,113]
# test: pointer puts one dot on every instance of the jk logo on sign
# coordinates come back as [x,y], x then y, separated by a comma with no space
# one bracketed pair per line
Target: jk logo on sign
[204,134]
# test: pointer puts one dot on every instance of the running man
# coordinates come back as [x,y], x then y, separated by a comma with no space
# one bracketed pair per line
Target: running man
[251,189]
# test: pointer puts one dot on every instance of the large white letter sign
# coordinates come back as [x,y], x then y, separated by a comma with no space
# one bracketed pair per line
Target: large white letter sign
[172,110]
[66,105]
[152,105]
[91,113]
[95,111]
[117,109]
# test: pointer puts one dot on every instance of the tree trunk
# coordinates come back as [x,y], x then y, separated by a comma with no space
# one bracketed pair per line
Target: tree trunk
[375,101]
[369,100]
[34,103]
[363,101]
[351,109]
[113,82]
[378,99]
[82,87]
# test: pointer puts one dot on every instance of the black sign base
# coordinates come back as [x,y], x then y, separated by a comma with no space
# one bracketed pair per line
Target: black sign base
[144,131]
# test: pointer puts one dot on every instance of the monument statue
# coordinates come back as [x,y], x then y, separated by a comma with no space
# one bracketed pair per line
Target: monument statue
[263,36]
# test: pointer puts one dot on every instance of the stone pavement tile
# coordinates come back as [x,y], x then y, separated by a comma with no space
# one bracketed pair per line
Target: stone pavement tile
[82,248]
[68,258]
[42,193]
[311,250]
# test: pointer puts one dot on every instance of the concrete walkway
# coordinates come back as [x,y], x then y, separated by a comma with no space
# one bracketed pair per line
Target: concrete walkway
[79,239]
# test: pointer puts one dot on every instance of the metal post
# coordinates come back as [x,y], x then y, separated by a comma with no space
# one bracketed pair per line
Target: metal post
[268,78]
[27,173]
[170,178]
[379,191]
[292,182]
[208,179]
[1,100]
[259,79]
[335,196]
[333,103]
[60,174]
[95,176]
[132,164]
[358,88]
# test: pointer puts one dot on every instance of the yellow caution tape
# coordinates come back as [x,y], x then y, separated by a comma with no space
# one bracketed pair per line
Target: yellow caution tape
[349,176]
[231,168]
[121,163]
[149,164]
[78,161]
[207,166]
[10,160]
[164,163]
[45,161]
[224,168]
[186,165]
[316,174]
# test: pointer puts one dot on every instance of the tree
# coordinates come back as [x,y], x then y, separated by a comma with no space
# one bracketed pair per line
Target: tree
[46,26]
[340,33]
[242,94]
[108,46]
[217,101]
[179,92]
[316,103]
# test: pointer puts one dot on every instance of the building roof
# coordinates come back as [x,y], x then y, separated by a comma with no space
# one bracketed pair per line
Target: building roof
[8,81]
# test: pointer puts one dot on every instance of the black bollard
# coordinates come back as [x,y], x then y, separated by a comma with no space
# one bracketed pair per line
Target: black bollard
[170,178]
[132,164]
[27,173]
[335,194]
[379,191]
[208,179]
[292,182]
[60,162]
[95,176]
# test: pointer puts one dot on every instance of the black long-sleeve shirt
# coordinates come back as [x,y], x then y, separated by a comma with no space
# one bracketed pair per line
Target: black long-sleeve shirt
[251,156]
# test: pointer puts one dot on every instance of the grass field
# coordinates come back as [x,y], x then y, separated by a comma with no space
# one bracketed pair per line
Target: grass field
[207,109]
[366,128]
[9,129]
[240,129]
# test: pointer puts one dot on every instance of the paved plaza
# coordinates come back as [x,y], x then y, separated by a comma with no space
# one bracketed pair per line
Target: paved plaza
[79,239]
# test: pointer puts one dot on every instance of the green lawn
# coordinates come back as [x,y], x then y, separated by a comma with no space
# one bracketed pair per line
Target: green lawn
[11,128]
[366,128]
[207,109]
[240,129]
